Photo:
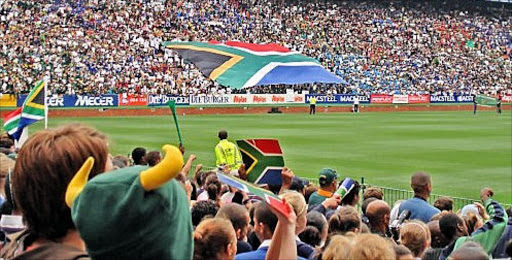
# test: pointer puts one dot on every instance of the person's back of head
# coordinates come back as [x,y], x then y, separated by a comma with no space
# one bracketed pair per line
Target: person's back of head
[444,204]
[121,161]
[371,247]
[55,155]
[6,143]
[204,176]
[327,178]
[138,156]
[366,202]
[152,158]
[311,236]
[299,206]
[214,238]
[473,221]
[437,237]
[308,190]
[403,253]
[298,185]
[378,213]
[265,221]
[203,209]
[338,248]
[318,222]
[213,187]
[452,226]
[345,220]
[415,235]
[421,183]
[469,251]
[373,192]
[223,134]
[238,215]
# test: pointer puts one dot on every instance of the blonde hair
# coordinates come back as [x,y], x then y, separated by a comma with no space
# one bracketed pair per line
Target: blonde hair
[371,247]
[297,201]
[6,165]
[415,235]
[211,237]
[338,248]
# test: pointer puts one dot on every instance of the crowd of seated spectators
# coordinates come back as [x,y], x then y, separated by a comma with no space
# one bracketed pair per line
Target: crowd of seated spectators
[64,196]
[99,47]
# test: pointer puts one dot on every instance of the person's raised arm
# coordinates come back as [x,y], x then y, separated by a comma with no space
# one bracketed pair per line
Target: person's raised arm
[188,165]
[287,177]
[283,245]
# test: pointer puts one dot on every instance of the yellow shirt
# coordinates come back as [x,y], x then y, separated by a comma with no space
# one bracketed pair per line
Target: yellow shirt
[227,153]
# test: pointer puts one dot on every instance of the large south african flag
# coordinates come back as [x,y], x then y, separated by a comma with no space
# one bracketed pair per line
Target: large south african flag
[240,65]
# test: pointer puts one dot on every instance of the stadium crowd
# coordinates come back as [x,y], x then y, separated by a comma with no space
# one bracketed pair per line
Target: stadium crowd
[98,46]
[85,203]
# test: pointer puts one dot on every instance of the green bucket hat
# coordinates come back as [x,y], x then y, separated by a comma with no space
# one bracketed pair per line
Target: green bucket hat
[133,213]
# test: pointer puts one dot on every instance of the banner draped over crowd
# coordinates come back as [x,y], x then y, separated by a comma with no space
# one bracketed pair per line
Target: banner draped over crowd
[240,65]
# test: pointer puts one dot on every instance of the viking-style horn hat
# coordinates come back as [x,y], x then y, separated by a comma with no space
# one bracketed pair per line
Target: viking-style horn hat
[133,213]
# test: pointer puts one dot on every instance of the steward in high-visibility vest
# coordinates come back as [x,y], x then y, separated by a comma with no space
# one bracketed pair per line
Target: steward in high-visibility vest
[312,105]
[227,153]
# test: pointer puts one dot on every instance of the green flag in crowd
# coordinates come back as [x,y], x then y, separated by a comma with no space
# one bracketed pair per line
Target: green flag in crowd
[470,44]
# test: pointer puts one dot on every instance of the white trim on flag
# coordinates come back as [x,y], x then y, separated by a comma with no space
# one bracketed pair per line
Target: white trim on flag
[260,53]
[269,67]
[14,118]
[14,130]
[30,116]
[267,172]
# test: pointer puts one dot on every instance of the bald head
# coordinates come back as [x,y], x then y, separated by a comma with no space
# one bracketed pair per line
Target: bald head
[420,182]
[469,251]
[376,211]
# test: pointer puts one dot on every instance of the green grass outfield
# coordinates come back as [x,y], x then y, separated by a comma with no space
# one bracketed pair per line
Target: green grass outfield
[462,152]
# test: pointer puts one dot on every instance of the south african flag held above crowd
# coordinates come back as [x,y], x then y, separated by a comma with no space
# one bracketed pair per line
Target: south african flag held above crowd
[240,65]
[34,109]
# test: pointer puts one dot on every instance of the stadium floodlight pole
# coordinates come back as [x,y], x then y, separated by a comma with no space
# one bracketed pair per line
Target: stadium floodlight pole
[172,106]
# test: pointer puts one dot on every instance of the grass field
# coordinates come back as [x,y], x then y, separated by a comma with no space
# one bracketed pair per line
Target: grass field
[462,152]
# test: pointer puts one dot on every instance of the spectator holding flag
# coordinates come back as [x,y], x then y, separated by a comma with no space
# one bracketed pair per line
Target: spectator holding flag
[327,178]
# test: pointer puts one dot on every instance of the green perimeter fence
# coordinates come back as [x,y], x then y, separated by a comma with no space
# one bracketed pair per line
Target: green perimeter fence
[392,195]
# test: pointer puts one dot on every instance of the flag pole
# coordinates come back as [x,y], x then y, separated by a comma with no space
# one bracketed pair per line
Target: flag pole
[45,104]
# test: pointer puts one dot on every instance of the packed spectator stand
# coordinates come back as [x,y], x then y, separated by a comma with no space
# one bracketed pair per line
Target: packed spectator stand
[99,47]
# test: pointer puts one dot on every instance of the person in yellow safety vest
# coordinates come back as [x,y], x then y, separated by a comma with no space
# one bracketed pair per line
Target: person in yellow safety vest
[312,105]
[227,153]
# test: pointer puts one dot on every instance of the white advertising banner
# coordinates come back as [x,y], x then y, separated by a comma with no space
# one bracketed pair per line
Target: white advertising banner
[248,99]
[400,99]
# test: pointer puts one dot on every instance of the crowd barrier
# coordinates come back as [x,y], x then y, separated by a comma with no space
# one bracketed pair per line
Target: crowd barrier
[392,195]
[121,100]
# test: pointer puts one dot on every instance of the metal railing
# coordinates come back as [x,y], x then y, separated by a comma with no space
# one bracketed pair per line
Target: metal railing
[392,195]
